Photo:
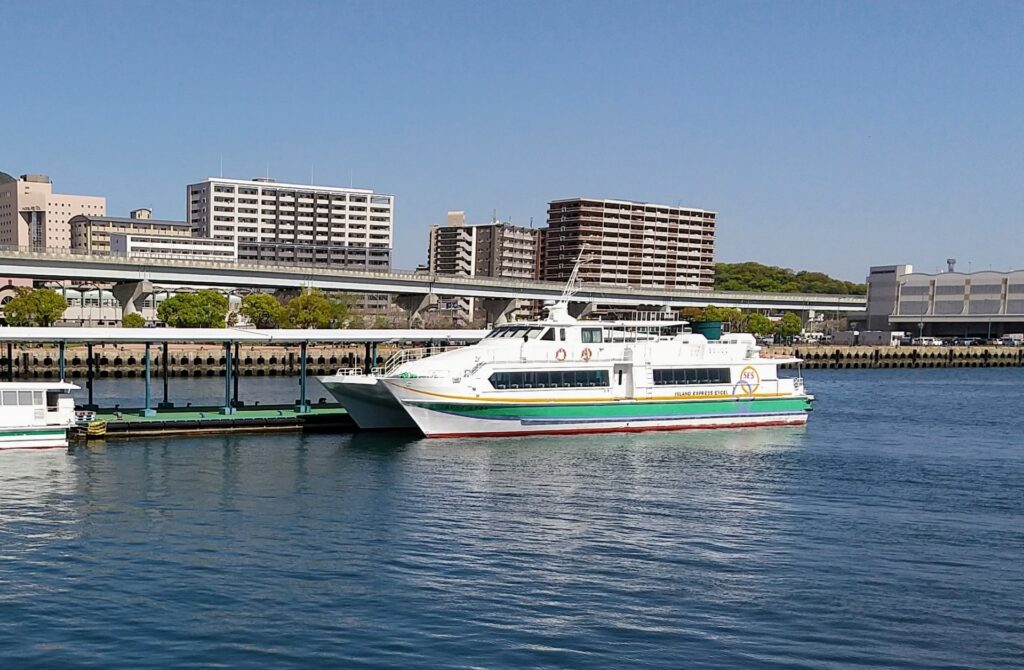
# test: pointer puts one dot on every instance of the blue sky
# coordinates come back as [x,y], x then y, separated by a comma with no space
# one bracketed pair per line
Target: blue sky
[828,136]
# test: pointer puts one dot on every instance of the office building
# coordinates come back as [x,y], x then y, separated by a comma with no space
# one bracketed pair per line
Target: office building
[32,215]
[495,249]
[295,223]
[91,234]
[634,243]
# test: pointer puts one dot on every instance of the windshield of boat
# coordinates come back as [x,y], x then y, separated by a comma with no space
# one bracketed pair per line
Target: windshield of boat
[528,332]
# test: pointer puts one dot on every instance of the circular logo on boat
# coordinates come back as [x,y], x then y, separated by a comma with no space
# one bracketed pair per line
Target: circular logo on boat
[586,354]
[748,382]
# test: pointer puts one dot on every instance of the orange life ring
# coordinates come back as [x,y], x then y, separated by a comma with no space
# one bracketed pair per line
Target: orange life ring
[560,355]
[586,354]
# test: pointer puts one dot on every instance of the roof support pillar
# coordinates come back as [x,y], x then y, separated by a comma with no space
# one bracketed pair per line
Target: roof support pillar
[302,407]
[148,409]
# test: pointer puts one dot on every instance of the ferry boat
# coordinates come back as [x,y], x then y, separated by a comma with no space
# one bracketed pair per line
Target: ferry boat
[35,415]
[563,375]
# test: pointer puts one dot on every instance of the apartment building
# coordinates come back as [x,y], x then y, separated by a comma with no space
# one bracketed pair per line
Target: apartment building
[295,223]
[92,234]
[32,215]
[493,249]
[633,243]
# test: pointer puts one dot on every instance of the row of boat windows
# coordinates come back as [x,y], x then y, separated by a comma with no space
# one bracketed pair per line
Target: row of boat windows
[587,335]
[27,398]
[677,376]
[547,379]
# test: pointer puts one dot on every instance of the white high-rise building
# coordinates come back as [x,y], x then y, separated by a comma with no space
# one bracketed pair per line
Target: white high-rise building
[295,223]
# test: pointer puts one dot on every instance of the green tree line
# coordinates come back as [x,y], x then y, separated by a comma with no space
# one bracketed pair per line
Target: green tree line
[752,276]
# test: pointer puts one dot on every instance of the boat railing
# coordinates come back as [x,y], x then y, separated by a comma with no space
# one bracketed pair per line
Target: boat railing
[551,359]
[405,356]
[349,372]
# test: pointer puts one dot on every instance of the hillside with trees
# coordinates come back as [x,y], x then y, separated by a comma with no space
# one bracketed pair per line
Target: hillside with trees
[756,277]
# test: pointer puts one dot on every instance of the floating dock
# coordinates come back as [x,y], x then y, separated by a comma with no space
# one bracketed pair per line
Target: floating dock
[210,421]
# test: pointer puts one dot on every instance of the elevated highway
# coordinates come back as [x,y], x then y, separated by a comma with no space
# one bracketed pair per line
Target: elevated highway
[413,288]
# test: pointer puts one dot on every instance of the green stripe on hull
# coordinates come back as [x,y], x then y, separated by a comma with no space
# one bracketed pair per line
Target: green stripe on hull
[622,409]
[28,431]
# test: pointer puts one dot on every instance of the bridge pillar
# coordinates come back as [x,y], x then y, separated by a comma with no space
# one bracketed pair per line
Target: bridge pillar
[498,309]
[131,295]
[414,303]
[579,310]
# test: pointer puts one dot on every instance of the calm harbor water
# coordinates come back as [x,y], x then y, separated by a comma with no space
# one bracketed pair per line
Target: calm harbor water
[889,533]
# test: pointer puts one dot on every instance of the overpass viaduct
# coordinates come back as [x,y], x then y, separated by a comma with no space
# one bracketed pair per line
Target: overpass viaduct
[133,280]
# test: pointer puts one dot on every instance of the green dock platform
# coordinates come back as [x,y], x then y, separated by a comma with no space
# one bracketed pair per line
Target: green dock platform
[199,420]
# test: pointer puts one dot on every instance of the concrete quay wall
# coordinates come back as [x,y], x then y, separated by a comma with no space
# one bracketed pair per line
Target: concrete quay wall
[127,361]
[844,357]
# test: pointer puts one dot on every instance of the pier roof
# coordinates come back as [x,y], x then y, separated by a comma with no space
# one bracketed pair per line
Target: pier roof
[241,335]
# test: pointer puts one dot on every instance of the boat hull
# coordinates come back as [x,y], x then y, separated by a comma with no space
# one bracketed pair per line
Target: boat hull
[42,437]
[492,420]
[368,402]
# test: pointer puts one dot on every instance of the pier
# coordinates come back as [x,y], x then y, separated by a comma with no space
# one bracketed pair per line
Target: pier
[73,355]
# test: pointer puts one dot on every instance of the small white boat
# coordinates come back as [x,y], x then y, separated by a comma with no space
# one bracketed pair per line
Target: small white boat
[35,415]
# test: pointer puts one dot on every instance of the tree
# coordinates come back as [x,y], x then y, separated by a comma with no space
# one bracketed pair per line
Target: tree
[262,310]
[312,309]
[205,309]
[757,277]
[35,307]
[789,325]
[133,320]
[759,324]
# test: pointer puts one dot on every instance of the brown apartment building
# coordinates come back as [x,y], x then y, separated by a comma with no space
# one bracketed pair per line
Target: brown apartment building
[634,243]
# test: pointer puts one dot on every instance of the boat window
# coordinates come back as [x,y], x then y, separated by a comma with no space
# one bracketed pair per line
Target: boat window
[37,397]
[10,397]
[25,398]
[591,335]
[561,333]
[681,376]
[548,335]
[540,379]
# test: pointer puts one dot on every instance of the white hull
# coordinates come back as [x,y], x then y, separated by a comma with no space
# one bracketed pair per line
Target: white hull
[50,437]
[367,401]
[443,424]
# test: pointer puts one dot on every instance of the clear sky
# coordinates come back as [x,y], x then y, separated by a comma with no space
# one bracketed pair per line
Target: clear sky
[828,136]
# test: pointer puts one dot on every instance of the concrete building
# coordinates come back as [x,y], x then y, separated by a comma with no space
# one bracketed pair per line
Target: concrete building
[295,223]
[633,243]
[141,245]
[954,304]
[883,285]
[32,215]
[92,233]
[495,249]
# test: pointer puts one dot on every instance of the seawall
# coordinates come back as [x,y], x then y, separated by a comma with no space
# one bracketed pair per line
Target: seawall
[843,357]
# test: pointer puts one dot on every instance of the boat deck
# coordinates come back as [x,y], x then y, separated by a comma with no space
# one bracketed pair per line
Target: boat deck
[199,420]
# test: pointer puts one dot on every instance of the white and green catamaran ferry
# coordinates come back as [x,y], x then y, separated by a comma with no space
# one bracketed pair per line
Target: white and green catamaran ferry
[563,375]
